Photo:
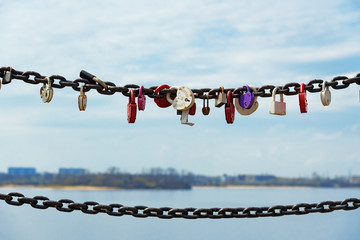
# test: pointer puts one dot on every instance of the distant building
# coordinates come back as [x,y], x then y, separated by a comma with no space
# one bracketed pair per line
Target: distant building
[21,171]
[72,171]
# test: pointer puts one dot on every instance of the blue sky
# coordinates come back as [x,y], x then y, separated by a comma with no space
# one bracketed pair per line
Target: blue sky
[195,44]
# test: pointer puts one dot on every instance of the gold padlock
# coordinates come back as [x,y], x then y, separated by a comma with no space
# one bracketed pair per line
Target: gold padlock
[46,91]
[82,99]
[220,98]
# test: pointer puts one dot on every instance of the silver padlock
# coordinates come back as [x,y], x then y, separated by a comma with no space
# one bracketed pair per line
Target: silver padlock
[82,99]
[184,119]
[220,99]
[325,95]
[245,111]
[7,77]
[277,108]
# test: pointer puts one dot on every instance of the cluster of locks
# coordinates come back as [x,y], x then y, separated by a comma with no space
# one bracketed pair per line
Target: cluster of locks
[184,101]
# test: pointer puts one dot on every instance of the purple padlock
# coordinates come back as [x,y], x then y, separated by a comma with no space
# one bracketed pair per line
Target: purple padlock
[141,99]
[246,100]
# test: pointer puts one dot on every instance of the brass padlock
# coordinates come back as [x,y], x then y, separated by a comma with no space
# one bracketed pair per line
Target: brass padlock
[46,91]
[277,108]
[220,99]
[206,110]
[82,99]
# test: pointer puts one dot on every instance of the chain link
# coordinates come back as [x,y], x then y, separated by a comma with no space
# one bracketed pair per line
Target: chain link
[90,207]
[288,89]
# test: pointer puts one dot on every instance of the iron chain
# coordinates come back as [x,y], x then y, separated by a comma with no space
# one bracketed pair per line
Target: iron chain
[90,207]
[289,89]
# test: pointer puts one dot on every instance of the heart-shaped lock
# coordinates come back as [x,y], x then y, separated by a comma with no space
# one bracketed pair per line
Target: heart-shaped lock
[161,102]
[246,99]
[141,99]
[82,99]
[252,109]
[131,108]
[229,108]
[184,99]
[325,95]
[302,99]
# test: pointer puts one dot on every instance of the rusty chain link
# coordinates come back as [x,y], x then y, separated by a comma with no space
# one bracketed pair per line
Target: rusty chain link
[289,89]
[90,207]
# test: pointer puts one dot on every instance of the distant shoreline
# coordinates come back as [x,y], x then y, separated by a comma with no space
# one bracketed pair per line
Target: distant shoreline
[96,188]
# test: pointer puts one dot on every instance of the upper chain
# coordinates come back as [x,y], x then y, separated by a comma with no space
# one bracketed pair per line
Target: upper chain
[91,207]
[57,81]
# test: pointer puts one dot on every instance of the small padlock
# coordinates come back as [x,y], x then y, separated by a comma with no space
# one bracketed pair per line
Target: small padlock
[325,95]
[192,110]
[141,99]
[206,110]
[229,108]
[161,102]
[82,99]
[184,99]
[277,108]
[131,108]
[252,109]
[302,99]
[220,98]
[246,99]
[7,77]
[184,118]
[46,91]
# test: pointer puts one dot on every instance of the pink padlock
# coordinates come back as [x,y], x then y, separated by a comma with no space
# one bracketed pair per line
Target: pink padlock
[141,99]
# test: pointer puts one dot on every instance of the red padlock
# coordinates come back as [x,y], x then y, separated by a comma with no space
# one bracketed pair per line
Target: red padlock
[131,108]
[192,110]
[162,102]
[302,99]
[229,108]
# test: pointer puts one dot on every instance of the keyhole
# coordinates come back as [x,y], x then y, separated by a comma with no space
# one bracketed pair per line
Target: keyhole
[187,100]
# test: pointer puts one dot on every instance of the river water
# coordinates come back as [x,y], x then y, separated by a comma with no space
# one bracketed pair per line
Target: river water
[25,222]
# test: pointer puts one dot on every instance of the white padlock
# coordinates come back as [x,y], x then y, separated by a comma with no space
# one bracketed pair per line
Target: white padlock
[277,108]
[82,99]
[184,99]
[325,95]
[244,111]
[184,119]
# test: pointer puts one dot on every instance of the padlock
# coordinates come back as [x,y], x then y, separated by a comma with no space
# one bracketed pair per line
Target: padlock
[206,110]
[252,109]
[161,102]
[302,99]
[325,95]
[220,98]
[141,99]
[82,99]
[7,77]
[184,118]
[131,108]
[246,99]
[277,108]
[88,76]
[184,99]
[46,91]
[229,108]
[192,110]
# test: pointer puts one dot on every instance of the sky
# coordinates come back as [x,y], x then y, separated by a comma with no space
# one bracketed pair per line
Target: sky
[181,43]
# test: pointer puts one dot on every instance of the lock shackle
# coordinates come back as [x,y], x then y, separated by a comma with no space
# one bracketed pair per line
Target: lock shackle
[48,80]
[274,94]
[82,89]
[302,88]
[228,97]
[247,88]
[168,98]
[161,87]
[323,85]
[141,89]
[222,89]
[132,96]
